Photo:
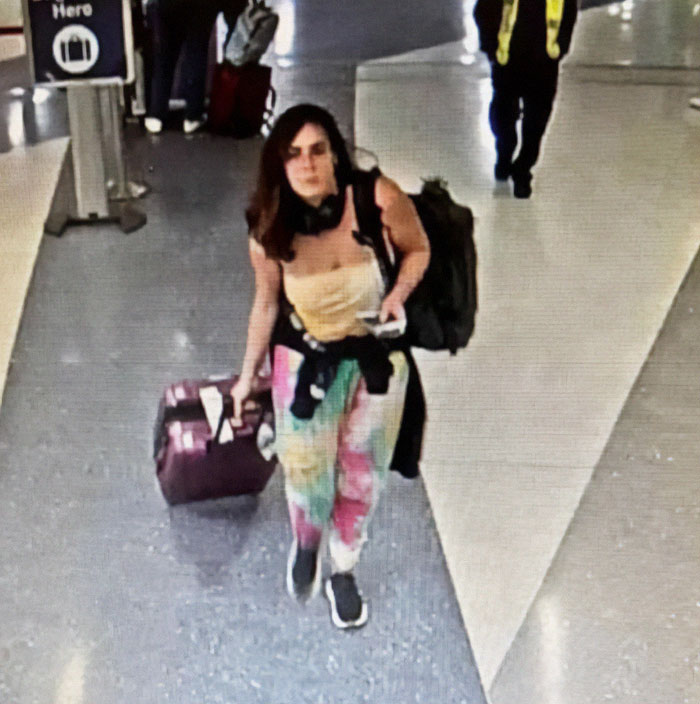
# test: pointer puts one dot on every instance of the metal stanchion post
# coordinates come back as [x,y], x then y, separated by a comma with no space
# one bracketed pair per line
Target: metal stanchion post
[87,153]
[89,50]
[93,183]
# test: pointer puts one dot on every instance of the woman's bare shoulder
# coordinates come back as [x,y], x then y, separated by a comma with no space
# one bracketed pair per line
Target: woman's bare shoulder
[386,192]
[256,248]
[264,266]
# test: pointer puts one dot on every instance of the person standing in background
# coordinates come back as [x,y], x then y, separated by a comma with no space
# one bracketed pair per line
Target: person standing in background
[524,40]
[182,26]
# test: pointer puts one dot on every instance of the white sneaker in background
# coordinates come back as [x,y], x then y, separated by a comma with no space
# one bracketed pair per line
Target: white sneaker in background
[153,125]
[694,103]
[190,126]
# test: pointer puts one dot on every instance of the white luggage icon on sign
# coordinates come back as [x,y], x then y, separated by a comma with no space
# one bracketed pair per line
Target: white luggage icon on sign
[75,49]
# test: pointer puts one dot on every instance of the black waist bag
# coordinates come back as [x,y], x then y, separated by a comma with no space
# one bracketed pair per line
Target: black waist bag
[440,312]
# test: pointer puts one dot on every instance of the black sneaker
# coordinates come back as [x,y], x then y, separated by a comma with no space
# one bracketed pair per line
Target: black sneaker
[522,187]
[347,608]
[303,572]
[501,171]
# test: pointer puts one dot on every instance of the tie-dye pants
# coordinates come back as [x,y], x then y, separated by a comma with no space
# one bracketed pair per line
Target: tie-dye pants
[336,463]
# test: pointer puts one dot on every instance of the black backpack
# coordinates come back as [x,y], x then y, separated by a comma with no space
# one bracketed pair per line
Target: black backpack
[440,311]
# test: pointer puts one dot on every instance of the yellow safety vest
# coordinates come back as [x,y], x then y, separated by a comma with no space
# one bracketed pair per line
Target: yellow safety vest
[554,13]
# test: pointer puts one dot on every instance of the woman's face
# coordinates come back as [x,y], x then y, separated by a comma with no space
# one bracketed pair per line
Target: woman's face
[310,164]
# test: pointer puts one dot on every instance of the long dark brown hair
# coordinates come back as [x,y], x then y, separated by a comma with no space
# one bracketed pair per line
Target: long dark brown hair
[268,211]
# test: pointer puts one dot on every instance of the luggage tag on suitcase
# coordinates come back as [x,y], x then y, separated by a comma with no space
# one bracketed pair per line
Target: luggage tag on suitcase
[219,407]
[213,403]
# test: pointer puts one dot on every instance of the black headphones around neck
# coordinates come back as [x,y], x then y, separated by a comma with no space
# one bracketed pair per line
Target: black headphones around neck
[309,220]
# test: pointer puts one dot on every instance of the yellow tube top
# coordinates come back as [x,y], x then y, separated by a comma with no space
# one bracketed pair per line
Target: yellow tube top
[328,301]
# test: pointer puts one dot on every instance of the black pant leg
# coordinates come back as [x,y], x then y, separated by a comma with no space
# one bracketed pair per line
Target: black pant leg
[166,41]
[539,91]
[194,65]
[504,111]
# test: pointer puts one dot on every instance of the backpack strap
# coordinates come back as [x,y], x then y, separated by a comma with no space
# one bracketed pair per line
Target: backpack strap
[369,220]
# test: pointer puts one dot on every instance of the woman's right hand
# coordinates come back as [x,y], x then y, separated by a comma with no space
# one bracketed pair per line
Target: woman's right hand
[240,392]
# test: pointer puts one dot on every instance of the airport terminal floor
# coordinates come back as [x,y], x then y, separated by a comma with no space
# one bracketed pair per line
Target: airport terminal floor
[549,553]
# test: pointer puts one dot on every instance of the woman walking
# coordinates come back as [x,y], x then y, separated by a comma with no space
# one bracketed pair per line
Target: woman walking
[338,389]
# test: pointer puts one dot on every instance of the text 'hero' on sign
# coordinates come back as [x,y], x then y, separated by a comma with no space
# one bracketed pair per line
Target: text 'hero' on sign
[63,11]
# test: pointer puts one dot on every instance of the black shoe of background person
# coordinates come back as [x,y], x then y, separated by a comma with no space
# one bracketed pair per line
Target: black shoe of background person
[522,187]
[348,610]
[303,572]
[521,180]
[501,171]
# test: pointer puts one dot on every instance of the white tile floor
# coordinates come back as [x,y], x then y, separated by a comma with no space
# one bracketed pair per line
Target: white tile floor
[640,33]
[11,46]
[26,188]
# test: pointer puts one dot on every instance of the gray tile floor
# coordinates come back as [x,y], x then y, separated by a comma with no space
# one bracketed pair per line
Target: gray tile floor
[365,29]
[105,593]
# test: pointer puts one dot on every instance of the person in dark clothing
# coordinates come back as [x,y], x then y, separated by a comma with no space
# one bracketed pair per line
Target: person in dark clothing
[524,40]
[182,26]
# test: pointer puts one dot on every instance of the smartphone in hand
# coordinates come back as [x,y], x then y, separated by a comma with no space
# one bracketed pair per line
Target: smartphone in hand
[389,330]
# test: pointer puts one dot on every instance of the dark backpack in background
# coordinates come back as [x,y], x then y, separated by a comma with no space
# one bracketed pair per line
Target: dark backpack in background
[251,34]
[440,311]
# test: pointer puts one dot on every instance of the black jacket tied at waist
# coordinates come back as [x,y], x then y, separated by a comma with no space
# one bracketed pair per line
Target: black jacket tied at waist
[320,364]
[318,370]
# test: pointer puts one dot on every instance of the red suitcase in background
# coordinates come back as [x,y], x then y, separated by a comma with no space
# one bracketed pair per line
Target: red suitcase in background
[238,102]
[199,455]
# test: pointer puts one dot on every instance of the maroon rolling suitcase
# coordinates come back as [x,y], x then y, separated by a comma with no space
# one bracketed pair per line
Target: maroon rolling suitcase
[238,102]
[199,455]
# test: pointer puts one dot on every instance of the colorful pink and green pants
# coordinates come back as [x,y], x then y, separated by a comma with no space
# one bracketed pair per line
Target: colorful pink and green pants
[336,463]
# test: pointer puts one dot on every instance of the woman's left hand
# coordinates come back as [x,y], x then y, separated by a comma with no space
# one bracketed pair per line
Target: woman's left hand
[392,308]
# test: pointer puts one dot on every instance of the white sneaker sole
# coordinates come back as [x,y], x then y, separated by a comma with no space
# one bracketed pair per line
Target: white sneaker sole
[316,586]
[153,125]
[337,621]
[191,126]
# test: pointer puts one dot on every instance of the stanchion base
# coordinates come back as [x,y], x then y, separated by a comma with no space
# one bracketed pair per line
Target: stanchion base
[129,217]
[55,224]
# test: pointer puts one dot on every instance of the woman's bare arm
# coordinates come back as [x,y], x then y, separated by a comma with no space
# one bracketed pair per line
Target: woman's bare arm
[268,279]
[407,235]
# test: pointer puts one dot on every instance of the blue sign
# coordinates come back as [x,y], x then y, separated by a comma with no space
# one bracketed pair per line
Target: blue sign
[79,42]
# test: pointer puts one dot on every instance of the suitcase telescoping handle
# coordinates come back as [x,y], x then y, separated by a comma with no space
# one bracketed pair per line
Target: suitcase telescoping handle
[226,412]
[249,408]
